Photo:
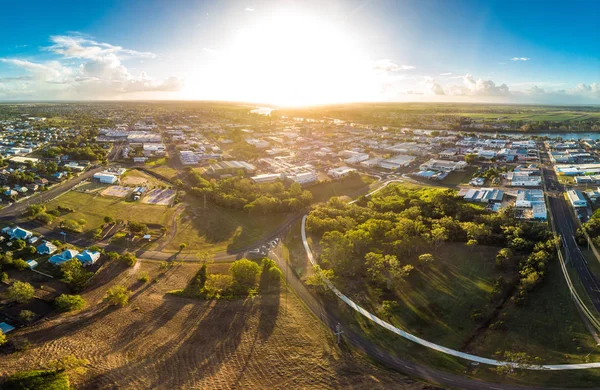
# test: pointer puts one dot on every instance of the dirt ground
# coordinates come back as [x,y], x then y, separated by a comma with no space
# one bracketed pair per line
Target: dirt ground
[117,191]
[165,342]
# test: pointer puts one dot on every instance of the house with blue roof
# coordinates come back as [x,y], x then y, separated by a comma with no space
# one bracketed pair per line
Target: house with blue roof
[67,255]
[46,248]
[17,233]
[88,257]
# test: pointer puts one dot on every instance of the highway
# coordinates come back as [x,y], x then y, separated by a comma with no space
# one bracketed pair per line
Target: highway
[566,227]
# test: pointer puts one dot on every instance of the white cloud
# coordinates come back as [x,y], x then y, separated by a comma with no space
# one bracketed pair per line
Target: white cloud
[77,47]
[484,87]
[249,9]
[446,74]
[386,65]
[86,68]
[432,87]
[520,59]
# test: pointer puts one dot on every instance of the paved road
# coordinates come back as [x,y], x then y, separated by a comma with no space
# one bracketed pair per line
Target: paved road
[18,208]
[566,227]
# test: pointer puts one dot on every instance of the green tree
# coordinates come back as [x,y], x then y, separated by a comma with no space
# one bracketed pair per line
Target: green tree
[426,259]
[26,316]
[20,264]
[470,158]
[128,259]
[74,274]
[2,338]
[320,278]
[118,296]
[108,219]
[20,292]
[244,273]
[65,302]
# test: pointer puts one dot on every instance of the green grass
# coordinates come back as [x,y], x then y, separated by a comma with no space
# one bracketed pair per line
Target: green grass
[436,302]
[37,380]
[460,177]
[93,208]
[352,187]
[548,326]
[294,253]
[157,162]
[217,228]
[166,171]
[134,173]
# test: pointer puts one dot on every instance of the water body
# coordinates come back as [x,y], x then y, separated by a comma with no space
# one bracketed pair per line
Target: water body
[266,111]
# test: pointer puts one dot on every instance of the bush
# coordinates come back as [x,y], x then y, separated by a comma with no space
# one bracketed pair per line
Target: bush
[144,277]
[118,296]
[244,273]
[217,285]
[45,218]
[112,256]
[20,264]
[26,316]
[72,225]
[20,292]
[128,258]
[38,379]
[67,302]
[2,338]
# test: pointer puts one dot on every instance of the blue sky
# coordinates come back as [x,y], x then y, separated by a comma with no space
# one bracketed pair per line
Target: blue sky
[303,52]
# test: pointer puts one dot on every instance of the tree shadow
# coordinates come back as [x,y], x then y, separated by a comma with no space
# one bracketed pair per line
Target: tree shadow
[70,326]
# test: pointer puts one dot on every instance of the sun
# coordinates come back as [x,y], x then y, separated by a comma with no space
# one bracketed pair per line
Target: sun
[292,58]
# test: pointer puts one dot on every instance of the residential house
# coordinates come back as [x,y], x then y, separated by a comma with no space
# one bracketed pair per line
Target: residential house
[66,255]
[46,248]
[88,257]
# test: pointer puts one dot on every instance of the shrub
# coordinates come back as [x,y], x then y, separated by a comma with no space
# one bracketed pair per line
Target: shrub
[2,338]
[244,273]
[118,296]
[45,218]
[128,258]
[20,292]
[67,302]
[20,264]
[144,277]
[26,316]
[112,256]
[217,285]
[72,225]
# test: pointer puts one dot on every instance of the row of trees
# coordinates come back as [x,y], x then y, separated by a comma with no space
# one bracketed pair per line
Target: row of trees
[243,194]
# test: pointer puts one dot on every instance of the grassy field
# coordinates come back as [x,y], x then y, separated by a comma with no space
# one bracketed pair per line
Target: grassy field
[133,177]
[218,229]
[460,177]
[93,208]
[294,253]
[166,171]
[549,326]
[436,302]
[351,187]
[160,341]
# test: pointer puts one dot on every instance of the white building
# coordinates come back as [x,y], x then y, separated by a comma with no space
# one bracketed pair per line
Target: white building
[304,177]
[106,178]
[396,162]
[443,165]
[340,172]
[576,198]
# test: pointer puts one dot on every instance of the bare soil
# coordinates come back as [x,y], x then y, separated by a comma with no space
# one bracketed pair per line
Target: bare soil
[161,341]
